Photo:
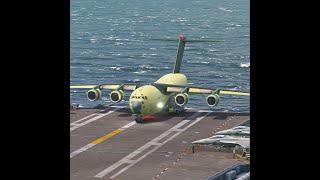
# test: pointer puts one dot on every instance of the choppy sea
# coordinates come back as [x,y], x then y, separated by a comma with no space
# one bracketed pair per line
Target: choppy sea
[118,41]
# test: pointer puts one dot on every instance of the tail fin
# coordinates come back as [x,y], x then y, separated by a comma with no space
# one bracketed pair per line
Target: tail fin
[182,42]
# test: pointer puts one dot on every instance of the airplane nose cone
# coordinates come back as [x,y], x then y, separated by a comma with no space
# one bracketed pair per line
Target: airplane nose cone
[136,107]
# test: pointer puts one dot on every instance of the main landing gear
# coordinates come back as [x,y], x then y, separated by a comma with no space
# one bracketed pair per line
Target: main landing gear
[178,110]
[174,108]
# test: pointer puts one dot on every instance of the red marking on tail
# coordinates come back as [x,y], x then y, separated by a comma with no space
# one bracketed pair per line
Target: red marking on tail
[182,37]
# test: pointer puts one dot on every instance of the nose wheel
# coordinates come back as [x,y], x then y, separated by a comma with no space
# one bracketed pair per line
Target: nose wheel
[138,118]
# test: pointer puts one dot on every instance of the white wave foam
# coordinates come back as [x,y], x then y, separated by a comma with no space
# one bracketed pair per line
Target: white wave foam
[119,43]
[245,65]
[110,38]
[151,17]
[198,62]
[116,68]
[118,39]
[134,80]
[178,20]
[225,9]
[93,40]
[140,72]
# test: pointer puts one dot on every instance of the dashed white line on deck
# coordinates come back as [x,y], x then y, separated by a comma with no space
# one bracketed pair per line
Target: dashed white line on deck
[101,139]
[75,125]
[155,142]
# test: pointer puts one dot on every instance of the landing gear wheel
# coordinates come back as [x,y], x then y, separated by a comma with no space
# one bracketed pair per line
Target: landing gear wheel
[138,119]
[174,108]
[178,110]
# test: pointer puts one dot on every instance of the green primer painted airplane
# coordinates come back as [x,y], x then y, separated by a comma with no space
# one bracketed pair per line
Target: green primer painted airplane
[168,94]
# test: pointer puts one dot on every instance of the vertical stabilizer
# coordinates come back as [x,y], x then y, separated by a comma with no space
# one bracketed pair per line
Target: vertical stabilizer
[182,42]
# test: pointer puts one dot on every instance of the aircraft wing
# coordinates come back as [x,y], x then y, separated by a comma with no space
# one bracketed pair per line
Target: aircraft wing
[126,87]
[199,90]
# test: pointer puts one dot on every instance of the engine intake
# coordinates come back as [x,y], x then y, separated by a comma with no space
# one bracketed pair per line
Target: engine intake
[181,99]
[212,100]
[94,94]
[116,96]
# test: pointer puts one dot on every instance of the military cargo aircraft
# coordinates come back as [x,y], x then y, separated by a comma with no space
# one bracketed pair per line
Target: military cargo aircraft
[170,93]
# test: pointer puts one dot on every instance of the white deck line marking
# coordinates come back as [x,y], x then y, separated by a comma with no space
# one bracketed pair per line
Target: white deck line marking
[204,110]
[76,122]
[84,148]
[89,121]
[76,125]
[119,106]
[154,142]
[128,125]
[90,145]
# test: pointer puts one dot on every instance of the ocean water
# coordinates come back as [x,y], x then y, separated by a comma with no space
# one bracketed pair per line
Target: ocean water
[119,41]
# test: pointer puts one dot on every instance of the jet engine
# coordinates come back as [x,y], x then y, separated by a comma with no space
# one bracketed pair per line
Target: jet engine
[212,100]
[94,94]
[181,99]
[116,96]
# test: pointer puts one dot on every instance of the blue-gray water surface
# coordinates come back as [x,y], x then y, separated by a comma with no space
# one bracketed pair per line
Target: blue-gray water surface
[116,41]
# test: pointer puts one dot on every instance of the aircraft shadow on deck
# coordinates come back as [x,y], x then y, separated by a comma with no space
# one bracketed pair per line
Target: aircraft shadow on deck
[125,112]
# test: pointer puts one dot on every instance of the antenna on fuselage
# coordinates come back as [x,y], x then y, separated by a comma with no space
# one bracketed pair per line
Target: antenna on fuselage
[182,43]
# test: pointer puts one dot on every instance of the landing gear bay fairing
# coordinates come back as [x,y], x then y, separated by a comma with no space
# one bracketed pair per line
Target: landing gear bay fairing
[168,94]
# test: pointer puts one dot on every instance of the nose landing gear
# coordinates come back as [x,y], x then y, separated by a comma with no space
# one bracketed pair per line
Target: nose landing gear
[138,118]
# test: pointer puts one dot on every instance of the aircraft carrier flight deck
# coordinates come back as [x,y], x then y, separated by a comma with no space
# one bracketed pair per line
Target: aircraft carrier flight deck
[109,144]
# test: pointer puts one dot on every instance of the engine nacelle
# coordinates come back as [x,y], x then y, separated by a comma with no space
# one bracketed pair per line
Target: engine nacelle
[116,96]
[181,99]
[212,100]
[94,94]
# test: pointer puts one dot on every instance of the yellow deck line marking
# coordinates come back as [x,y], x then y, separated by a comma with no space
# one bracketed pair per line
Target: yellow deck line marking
[101,139]
[107,136]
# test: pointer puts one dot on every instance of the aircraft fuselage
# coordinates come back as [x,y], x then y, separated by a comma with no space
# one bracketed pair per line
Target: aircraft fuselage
[148,99]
